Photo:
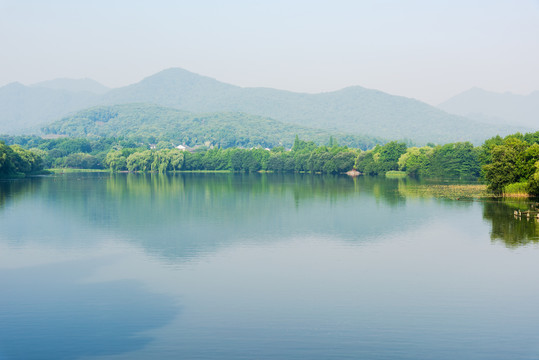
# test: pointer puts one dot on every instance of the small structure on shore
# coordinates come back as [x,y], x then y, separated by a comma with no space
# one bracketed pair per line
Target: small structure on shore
[353,172]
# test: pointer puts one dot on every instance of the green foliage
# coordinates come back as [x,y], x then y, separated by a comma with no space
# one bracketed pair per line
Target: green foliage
[145,160]
[116,160]
[485,152]
[454,161]
[305,158]
[516,188]
[140,161]
[415,160]
[505,161]
[81,161]
[396,174]
[14,161]
[151,124]
[59,152]
[531,138]
[511,160]
[533,183]
[507,164]
[381,159]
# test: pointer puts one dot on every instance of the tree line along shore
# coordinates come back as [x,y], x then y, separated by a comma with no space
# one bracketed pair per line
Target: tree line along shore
[508,165]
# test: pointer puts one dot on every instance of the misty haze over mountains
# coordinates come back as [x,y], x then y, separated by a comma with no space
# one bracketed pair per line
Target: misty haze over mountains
[25,108]
[354,110]
[496,108]
[74,85]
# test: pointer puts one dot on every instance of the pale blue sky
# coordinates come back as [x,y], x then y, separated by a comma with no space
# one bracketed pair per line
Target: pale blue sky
[429,50]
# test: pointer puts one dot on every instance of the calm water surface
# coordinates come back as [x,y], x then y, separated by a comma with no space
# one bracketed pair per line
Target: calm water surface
[220,266]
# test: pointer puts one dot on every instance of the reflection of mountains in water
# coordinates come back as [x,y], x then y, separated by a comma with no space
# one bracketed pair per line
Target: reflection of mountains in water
[513,231]
[183,215]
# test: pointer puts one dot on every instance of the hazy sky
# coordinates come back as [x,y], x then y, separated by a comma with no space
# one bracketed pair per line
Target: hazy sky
[429,50]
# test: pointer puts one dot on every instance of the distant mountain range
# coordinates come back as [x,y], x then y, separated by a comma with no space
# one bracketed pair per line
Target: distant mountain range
[74,85]
[353,110]
[24,109]
[496,108]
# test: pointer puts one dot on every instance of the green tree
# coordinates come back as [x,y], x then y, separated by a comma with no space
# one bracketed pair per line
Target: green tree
[81,161]
[533,183]
[140,161]
[115,160]
[506,165]
[6,160]
[415,162]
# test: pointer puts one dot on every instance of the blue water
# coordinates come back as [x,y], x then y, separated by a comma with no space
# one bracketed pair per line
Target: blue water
[220,266]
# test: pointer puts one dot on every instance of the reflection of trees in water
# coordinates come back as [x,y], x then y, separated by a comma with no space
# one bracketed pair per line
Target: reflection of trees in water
[183,214]
[124,186]
[382,188]
[514,232]
[12,189]
[194,212]
[302,186]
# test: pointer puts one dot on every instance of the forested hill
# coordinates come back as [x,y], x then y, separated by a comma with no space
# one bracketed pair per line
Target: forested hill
[152,123]
[354,110]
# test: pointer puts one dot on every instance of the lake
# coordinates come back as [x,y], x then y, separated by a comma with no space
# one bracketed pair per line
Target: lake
[261,266]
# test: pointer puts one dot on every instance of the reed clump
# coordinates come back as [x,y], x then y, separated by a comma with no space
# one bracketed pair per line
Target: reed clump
[455,192]
[519,190]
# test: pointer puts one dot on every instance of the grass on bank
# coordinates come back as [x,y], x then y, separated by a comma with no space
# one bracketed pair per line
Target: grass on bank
[516,190]
[470,191]
[71,170]
[453,192]
[396,174]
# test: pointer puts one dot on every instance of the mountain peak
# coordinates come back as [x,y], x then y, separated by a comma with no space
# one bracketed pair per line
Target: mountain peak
[174,87]
[355,109]
[474,90]
[176,71]
[14,85]
[178,75]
